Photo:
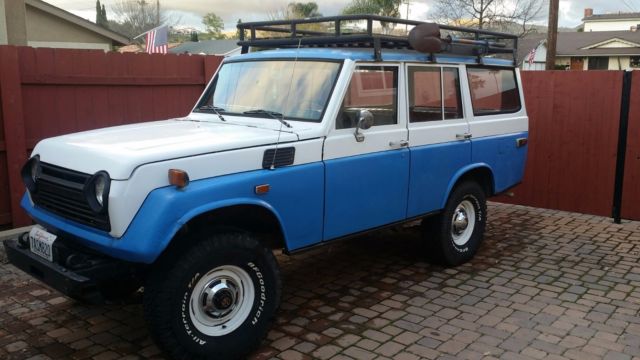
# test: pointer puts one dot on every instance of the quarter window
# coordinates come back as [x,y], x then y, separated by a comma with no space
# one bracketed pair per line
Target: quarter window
[373,88]
[493,91]
[434,94]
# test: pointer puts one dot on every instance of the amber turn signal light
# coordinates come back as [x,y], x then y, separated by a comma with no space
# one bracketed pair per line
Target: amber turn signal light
[262,189]
[178,177]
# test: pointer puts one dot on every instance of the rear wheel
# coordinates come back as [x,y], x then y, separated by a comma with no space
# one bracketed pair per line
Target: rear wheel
[216,301]
[454,236]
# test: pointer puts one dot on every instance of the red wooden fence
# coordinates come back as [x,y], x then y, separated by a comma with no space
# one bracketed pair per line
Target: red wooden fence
[574,119]
[48,92]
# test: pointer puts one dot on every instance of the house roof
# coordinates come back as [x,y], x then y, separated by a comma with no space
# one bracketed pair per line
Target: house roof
[209,47]
[118,39]
[578,43]
[615,16]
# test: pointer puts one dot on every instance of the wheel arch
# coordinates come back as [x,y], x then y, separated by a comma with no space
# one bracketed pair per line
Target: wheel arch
[481,173]
[248,215]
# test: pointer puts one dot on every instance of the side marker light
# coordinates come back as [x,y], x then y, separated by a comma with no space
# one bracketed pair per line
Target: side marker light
[178,177]
[262,189]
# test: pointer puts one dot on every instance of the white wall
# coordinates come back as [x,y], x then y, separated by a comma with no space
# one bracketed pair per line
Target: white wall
[624,25]
[3,25]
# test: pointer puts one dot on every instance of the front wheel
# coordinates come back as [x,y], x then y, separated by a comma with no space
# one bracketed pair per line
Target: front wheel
[216,301]
[455,235]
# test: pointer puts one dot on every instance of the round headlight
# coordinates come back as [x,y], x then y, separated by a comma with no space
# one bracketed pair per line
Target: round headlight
[99,188]
[96,191]
[30,172]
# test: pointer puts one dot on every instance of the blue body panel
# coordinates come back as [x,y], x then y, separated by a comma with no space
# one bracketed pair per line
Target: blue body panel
[501,155]
[366,191]
[296,198]
[433,167]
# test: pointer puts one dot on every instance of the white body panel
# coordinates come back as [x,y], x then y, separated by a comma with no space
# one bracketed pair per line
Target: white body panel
[121,149]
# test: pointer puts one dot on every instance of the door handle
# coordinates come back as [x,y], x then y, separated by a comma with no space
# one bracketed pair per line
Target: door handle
[398,143]
[465,136]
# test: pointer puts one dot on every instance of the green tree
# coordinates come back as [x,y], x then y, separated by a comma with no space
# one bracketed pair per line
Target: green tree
[389,8]
[214,25]
[376,7]
[238,30]
[298,10]
[101,15]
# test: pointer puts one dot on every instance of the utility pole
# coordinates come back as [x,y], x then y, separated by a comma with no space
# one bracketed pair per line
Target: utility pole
[158,13]
[552,36]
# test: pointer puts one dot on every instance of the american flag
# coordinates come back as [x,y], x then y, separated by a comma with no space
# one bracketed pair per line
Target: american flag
[532,55]
[156,40]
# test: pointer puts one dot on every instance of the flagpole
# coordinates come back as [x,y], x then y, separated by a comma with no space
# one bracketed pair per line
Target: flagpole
[144,33]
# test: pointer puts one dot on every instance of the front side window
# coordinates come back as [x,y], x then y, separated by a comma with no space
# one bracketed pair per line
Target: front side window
[493,91]
[373,88]
[298,90]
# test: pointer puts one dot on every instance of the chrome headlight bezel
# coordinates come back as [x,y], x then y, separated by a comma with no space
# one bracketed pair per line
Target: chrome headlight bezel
[30,173]
[96,191]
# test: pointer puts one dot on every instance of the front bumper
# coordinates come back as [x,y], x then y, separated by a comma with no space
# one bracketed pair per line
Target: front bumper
[80,275]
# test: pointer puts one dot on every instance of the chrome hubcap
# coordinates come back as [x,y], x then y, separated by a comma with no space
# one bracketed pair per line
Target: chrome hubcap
[460,221]
[463,223]
[221,300]
[218,297]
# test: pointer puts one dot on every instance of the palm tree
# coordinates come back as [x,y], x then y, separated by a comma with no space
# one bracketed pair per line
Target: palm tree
[389,8]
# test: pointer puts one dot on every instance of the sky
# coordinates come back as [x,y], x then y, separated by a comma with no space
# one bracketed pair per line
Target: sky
[190,12]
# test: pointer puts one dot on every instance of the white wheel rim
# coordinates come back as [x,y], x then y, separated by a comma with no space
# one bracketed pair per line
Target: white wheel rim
[463,222]
[221,300]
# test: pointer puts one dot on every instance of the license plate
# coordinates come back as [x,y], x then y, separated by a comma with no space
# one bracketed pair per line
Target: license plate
[41,242]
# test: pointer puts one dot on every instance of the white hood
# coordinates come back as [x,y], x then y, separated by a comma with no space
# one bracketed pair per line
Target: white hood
[119,150]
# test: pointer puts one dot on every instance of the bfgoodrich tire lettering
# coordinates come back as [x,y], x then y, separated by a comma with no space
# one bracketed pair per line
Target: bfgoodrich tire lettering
[216,301]
[454,236]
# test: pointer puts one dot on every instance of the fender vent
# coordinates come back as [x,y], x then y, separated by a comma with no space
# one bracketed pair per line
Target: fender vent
[283,157]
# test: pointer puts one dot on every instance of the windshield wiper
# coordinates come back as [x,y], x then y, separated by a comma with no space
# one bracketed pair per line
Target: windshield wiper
[216,109]
[276,115]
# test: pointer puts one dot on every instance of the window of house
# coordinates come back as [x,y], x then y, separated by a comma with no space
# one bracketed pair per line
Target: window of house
[434,94]
[373,88]
[599,63]
[493,90]
[635,61]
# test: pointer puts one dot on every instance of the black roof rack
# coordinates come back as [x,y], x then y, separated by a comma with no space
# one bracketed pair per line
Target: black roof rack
[334,31]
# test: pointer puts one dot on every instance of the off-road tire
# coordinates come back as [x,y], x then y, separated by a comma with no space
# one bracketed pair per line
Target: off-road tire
[168,303]
[439,236]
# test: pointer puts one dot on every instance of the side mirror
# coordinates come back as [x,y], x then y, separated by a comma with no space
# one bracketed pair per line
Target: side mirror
[365,121]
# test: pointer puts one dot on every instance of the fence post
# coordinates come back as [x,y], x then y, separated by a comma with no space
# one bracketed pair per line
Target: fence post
[14,132]
[622,145]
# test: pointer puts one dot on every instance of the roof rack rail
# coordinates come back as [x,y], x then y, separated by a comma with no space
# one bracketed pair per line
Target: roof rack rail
[333,31]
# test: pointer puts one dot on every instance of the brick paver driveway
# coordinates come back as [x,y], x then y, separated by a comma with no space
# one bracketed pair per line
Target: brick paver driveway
[546,284]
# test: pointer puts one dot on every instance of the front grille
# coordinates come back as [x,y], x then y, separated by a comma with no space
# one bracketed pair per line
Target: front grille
[60,191]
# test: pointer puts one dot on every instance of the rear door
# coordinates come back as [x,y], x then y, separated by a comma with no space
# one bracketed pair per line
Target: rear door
[438,133]
[366,182]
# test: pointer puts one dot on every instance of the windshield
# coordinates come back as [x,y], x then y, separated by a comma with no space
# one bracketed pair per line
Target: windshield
[296,90]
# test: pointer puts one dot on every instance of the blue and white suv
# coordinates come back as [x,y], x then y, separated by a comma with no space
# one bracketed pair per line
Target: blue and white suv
[328,134]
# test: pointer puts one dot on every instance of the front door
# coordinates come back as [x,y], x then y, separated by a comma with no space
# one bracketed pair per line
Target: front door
[577,63]
[366,181]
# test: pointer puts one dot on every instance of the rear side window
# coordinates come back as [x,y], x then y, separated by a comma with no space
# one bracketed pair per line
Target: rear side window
[493,91]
